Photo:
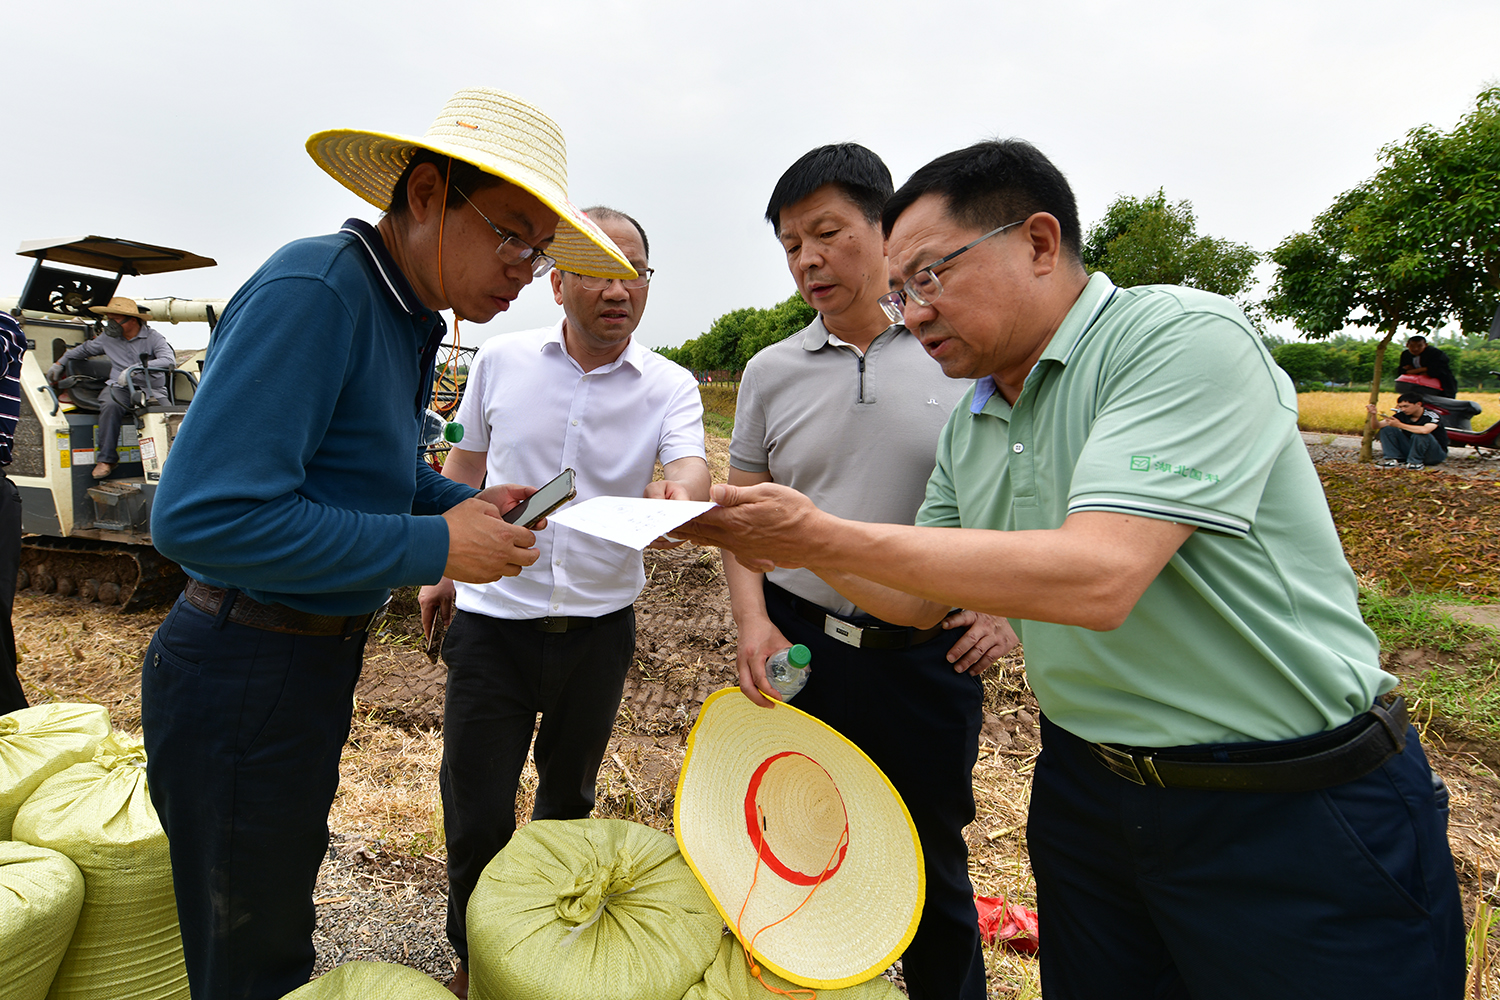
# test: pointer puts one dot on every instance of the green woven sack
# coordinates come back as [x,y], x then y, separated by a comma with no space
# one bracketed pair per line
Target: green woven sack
[37,742]
[729,978]
[594,909]
[371,981]
[40,894]
[126,945]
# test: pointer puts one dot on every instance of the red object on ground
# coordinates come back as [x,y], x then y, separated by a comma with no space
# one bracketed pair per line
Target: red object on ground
[1010,923]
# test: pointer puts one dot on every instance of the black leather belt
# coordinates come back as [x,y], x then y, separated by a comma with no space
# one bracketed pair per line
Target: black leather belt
[1340,755]
[571,623]
[876,634]
[277,617]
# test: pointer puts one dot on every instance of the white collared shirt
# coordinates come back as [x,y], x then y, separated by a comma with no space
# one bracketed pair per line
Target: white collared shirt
[535,411]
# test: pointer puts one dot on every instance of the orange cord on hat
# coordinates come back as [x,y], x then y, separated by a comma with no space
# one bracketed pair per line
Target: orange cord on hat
[803,992]
[452,357]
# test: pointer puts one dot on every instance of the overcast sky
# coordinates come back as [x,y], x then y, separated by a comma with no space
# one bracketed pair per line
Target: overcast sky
[183,123]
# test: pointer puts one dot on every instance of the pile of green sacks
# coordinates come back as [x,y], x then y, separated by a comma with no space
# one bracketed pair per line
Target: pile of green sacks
[86,906]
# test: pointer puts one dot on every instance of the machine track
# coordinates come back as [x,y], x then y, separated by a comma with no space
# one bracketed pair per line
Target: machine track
[131,576]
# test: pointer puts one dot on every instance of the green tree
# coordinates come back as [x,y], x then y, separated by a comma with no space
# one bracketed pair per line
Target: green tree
[1147,241]
[1301,362]
[732,339]
[1414,246]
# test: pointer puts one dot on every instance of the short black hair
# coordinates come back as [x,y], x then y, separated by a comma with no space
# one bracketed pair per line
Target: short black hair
[599,213]
[862,176]
[465,177]
[1416,337]
[990,184]
[1411,397]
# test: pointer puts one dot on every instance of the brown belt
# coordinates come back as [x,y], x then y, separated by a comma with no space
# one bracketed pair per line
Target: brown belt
[277,617]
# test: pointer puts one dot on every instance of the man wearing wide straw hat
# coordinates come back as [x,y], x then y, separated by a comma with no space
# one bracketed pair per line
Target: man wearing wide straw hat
[126,338]
[295,533]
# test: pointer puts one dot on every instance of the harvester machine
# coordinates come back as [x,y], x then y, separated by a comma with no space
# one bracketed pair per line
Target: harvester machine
[86,538]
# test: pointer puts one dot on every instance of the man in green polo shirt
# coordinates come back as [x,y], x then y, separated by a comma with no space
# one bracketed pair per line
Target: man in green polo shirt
[1221,779]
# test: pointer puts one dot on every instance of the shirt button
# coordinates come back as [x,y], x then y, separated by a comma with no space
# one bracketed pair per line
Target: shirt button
[575,423]
[1018,447]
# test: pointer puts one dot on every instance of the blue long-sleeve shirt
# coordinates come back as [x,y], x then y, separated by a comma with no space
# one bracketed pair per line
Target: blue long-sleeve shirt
[294,476]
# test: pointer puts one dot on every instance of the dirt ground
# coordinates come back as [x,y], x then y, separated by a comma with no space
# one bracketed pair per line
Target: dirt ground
[380,895]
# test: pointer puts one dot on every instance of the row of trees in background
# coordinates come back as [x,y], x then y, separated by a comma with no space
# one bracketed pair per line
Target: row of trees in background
[734,337]
[1413,248]
[1345,360]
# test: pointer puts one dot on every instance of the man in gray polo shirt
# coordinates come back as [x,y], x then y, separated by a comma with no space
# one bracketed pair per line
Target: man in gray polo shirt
[848,411]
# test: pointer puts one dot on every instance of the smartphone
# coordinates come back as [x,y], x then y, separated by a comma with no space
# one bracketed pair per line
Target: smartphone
[544,501]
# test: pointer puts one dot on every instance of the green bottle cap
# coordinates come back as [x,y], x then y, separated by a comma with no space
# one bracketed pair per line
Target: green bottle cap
[453,433]
[799,656]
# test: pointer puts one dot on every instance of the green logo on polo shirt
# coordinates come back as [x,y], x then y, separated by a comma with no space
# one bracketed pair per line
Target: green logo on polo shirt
[1150,463]
[1140,463]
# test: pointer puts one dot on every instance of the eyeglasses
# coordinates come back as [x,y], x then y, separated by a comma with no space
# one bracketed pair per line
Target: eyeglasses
[924,286]
[513,249]
[595,283]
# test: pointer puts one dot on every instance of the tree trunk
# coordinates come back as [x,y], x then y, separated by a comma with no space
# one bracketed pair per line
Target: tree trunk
[1367,444]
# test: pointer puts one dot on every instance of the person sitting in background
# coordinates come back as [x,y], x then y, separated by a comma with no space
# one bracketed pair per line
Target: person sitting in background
[126,338]
[1420,360]
[1411,435]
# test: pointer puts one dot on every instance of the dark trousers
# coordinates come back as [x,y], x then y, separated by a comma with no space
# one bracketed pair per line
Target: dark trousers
[1404,446]
[243,730]
[1171,893]
[919,721]
[11,695]
[501,674]
[114,403]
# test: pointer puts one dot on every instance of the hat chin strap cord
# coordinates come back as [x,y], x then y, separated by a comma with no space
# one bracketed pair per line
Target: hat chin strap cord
[803,993]
[442,290]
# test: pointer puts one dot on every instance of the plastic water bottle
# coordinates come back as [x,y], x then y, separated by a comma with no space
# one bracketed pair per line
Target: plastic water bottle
[787,670]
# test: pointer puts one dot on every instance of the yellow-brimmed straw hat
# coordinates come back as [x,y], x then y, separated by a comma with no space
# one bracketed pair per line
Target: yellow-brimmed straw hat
[802,843]
[119,306]
[501,135]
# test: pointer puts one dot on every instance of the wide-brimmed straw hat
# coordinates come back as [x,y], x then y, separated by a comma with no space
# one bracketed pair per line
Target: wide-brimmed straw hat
[803,844]
[119,306]
[501,135]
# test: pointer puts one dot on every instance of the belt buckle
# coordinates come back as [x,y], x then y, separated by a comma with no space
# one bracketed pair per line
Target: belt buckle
[1139,770]
[853,635]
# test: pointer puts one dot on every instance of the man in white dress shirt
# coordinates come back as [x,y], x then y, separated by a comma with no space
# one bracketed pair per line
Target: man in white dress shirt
[557,639]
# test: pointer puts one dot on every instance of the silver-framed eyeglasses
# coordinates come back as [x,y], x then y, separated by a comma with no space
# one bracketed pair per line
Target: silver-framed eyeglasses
[924,286]
[513,249]
[594,283]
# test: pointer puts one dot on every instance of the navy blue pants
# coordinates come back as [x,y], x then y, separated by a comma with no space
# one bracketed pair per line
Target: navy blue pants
[243,731]
[1172,892]
[919,721]
[501,674]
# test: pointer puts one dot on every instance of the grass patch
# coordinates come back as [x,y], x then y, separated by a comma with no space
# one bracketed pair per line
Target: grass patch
[1467,698]
[1344,412]
[718,425]
[1414,621]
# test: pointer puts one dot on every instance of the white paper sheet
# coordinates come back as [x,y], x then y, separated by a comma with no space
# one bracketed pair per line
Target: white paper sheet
[632,521]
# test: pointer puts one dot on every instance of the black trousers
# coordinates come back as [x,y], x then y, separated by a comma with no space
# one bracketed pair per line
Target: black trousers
[11,695]
[1171,893]
[501,674]
[244,729]
[919,721]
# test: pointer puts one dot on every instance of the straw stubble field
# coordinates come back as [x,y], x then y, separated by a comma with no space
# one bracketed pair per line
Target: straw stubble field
[380,894]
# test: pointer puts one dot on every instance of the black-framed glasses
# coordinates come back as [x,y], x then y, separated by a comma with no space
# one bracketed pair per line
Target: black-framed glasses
[594,283]
[924,286]
[513,249]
